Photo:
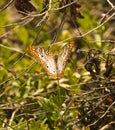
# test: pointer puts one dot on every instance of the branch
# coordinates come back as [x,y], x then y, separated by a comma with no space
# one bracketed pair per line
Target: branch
[111,4]
[102,114]
[4,7]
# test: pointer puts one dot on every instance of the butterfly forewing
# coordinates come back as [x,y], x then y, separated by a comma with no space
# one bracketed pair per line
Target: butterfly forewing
[63,57]
[45,58]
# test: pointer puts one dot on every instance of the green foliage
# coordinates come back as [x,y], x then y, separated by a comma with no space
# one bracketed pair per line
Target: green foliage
[22,34]
[84,98]
[89,22]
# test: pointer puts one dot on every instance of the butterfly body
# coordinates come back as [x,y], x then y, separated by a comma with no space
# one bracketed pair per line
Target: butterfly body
[53,64]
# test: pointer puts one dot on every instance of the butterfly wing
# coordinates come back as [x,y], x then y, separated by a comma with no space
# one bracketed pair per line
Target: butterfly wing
[45,58]
[63,57]
[53,68]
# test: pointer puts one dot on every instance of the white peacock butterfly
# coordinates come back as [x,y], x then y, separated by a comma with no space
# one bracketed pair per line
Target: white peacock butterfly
[53,64]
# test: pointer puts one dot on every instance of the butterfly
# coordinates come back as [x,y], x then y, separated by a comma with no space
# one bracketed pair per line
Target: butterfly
[53,64]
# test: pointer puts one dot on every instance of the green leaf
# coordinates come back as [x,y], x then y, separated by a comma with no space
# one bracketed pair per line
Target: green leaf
[23,35]
[46,104]
[3,75]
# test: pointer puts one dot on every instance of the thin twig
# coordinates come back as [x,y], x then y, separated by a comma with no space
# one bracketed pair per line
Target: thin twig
[4,7]
[27,69]
[85,34]
[14,49]
[102,114]
[111,4]
[11,119]
[46,15]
